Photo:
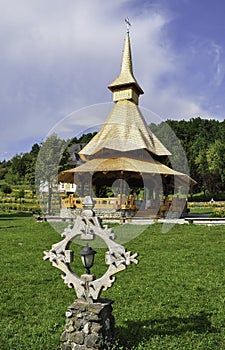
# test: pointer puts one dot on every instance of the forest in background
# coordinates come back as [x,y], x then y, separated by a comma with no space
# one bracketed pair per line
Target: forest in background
[201,139]
[204,147]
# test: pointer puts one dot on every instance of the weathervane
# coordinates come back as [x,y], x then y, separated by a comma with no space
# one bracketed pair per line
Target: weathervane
[128,24]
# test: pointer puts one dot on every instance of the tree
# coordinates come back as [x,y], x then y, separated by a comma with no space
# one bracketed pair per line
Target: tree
[20,194]
[3,169]
[85,138]
[215,156]
[203,142]
[47,166]
[29,161]
[167,136]
[6,189]
[35,150]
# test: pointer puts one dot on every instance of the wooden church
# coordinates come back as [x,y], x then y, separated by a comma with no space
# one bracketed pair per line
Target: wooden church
[126,157]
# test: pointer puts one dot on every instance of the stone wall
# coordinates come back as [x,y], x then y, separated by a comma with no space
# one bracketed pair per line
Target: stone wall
[88,326]
[101,213]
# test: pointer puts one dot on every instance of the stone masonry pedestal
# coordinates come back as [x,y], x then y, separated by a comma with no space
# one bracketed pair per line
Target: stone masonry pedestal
[89,326]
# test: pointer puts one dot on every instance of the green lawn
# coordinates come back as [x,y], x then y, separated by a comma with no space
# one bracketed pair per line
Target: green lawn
[173,299]
[201,210]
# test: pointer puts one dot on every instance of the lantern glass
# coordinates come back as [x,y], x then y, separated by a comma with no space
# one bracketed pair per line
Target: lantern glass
[87,257]
[88,260]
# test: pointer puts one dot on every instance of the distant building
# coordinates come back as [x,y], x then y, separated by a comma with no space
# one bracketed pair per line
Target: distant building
[67,187]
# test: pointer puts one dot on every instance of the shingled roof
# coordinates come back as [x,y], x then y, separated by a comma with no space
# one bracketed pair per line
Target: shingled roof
[123,164]
[125,128]
[125,143]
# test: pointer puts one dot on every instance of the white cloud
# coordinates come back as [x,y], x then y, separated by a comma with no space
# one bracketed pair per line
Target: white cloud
[60,56]
[215,51]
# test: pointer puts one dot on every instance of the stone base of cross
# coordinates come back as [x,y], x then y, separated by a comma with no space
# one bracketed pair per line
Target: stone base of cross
[88,326]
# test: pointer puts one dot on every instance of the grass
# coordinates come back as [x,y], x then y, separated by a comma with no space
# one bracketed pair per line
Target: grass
[173,299]
[201,210]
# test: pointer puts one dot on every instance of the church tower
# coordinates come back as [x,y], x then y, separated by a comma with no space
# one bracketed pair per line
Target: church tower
[125,129]
[125,86]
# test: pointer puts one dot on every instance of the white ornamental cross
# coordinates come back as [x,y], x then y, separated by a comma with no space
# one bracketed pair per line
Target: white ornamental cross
[117,258]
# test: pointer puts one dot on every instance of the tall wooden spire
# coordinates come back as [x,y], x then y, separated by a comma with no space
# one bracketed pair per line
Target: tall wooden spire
[125,86]
[125,129]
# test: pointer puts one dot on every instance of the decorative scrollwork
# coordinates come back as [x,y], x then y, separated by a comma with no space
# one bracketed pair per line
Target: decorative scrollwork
[88,226]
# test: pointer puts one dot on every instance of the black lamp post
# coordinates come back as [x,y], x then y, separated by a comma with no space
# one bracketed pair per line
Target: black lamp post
[87,257]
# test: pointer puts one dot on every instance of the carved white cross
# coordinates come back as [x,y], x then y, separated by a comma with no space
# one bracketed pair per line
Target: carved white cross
[117,258]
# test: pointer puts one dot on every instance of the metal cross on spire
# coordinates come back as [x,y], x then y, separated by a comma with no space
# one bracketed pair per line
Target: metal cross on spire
[128,24]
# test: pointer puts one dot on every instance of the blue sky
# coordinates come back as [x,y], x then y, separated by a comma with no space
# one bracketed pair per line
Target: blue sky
[59,56]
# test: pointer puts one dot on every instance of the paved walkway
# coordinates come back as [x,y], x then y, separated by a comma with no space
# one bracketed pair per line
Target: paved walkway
[191,219]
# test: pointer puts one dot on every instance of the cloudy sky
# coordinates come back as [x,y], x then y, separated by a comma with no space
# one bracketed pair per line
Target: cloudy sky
[59,56]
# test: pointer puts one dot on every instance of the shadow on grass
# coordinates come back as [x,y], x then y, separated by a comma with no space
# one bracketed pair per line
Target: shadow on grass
[8,216]
[9,227]
[135,332]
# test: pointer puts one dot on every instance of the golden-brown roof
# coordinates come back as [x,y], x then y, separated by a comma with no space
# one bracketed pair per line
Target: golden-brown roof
[123,164]
[125,130]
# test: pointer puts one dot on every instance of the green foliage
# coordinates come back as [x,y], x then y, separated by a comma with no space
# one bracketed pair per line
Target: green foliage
[20,194]
[3,169]
[27,202]
[199,140]
[47,165]
[173,299]
[21,168]
[85,138]
[49,158]
[203,143]
[6,189]
[218,213]
[216,158]
[206,197]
